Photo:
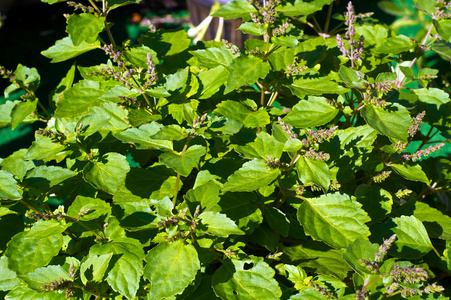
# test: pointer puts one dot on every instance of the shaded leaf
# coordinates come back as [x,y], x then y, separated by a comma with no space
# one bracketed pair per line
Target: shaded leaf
[184,163]
[47,176]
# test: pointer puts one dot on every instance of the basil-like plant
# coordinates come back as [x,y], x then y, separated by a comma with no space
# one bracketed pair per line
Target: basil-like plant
[300,167]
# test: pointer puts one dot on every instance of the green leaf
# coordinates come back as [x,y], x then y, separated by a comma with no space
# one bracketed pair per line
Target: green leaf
[53,1]
[5,112]
[213,57]
[79,98]
[238,112]
[43,148]
[443,49]
[84,27]
[245,70]
[427,6]
[170,268]
[137,55]
[393,121]
[21,111]
[219,224]
[9,190]
[246,279]
[115,114]
[281,58]
[212,80]
[64,49]
[16,164]
[184,111]
[374,34]
[112,4]
[322,259]
[336,219]
[7,277]
[65,83]
[206,195]
[438,225]
[96,208]
[412,240]
[413,173]
[313,171]
[263,146]
[141,137]
[376,201]
[396,44]
[432,96]
[91,123]
[26,253]
[28,76]
[22,292]
[235,10]
[47,176]
[94,267]
[359,136]
[183,163]
[315,111]
[277,220]
[302,8]
[316,86]
[107,173]
[360,249]
[310,294]
[251,176]
[253,28]
[128,257]
[351,77]
[45,228]
[45,275]
[137,214]
[171,132]
[289,41]
[166,42]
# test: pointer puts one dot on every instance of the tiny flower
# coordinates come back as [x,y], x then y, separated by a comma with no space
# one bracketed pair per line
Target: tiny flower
[381,177]
[403,193]
[413,129]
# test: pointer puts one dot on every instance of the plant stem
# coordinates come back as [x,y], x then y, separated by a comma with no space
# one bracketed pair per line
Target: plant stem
[177,182]
[329,13]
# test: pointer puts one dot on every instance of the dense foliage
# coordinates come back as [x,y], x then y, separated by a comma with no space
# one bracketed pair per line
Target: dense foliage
[301,167]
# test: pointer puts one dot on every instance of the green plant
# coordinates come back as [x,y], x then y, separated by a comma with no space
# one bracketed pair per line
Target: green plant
[206,171]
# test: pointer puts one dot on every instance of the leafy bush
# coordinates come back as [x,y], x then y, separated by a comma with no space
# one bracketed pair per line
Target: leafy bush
[300,167]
